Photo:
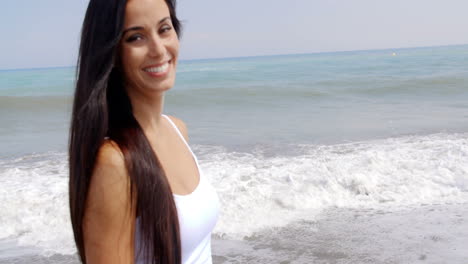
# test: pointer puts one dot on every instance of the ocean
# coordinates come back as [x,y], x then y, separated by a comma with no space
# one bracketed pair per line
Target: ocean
[345,157]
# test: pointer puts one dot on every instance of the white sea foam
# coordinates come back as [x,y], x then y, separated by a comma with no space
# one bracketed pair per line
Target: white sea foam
[34,208]
[258,191]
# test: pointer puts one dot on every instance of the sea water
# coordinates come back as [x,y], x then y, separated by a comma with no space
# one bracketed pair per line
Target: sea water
[285,140]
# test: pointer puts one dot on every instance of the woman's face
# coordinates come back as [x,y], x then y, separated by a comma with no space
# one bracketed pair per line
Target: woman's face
[149,47]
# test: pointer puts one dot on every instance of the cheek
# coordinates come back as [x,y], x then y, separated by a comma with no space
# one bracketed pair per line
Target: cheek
[130,63]
[132,58]
[174,46]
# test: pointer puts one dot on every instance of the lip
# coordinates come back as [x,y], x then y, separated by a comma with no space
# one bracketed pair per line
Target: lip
[158,74]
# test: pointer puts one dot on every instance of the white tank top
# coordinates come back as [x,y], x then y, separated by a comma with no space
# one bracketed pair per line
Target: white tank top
[198,214]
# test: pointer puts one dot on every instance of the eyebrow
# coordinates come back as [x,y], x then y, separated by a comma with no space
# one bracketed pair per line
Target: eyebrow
[140,27]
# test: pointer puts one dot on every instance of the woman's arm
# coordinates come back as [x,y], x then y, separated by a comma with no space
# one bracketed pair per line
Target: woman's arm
[109,221]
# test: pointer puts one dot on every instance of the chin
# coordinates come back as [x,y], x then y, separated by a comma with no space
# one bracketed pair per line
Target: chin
[164,85]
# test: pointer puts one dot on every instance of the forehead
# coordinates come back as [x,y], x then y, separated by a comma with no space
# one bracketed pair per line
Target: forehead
[145,11]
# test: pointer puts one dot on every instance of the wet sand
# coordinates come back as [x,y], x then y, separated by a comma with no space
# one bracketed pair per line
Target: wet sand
[427,234]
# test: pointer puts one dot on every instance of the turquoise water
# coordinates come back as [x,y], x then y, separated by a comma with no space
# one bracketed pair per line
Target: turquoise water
[283,139]
[243,102]
[329,97]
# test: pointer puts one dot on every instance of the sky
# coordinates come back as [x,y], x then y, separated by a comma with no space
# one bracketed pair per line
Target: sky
[45,33]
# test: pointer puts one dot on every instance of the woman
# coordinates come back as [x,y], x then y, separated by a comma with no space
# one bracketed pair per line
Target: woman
[136,191]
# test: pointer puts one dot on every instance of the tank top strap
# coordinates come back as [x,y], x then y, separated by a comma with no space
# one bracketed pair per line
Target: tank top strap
[181,136]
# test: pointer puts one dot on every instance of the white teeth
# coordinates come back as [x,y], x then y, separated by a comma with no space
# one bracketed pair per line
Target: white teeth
[161,68]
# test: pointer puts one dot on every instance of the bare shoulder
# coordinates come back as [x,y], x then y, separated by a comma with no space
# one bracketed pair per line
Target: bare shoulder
[110,153]
[180,125]
[110,183]
[108,223]
[110,164]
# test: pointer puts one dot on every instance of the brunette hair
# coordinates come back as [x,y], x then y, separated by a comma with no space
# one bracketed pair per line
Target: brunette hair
[101,108]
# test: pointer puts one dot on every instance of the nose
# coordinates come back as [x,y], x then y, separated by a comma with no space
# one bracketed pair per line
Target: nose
[156,47]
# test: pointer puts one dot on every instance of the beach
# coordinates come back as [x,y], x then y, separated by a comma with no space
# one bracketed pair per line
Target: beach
[345,157]
[428,234]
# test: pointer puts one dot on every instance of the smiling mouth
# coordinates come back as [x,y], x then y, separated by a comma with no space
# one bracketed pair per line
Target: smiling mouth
[159,69]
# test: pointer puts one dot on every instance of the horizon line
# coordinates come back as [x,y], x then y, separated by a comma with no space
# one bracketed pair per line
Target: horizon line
[323,52]
[255,56]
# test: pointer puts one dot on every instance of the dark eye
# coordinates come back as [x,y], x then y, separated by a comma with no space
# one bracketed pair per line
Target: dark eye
[133,38]
[165,29]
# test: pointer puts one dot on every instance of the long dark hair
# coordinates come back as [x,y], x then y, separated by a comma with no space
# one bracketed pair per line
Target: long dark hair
[101,108]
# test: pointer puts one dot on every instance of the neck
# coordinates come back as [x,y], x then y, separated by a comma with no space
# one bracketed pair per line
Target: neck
[147,110]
